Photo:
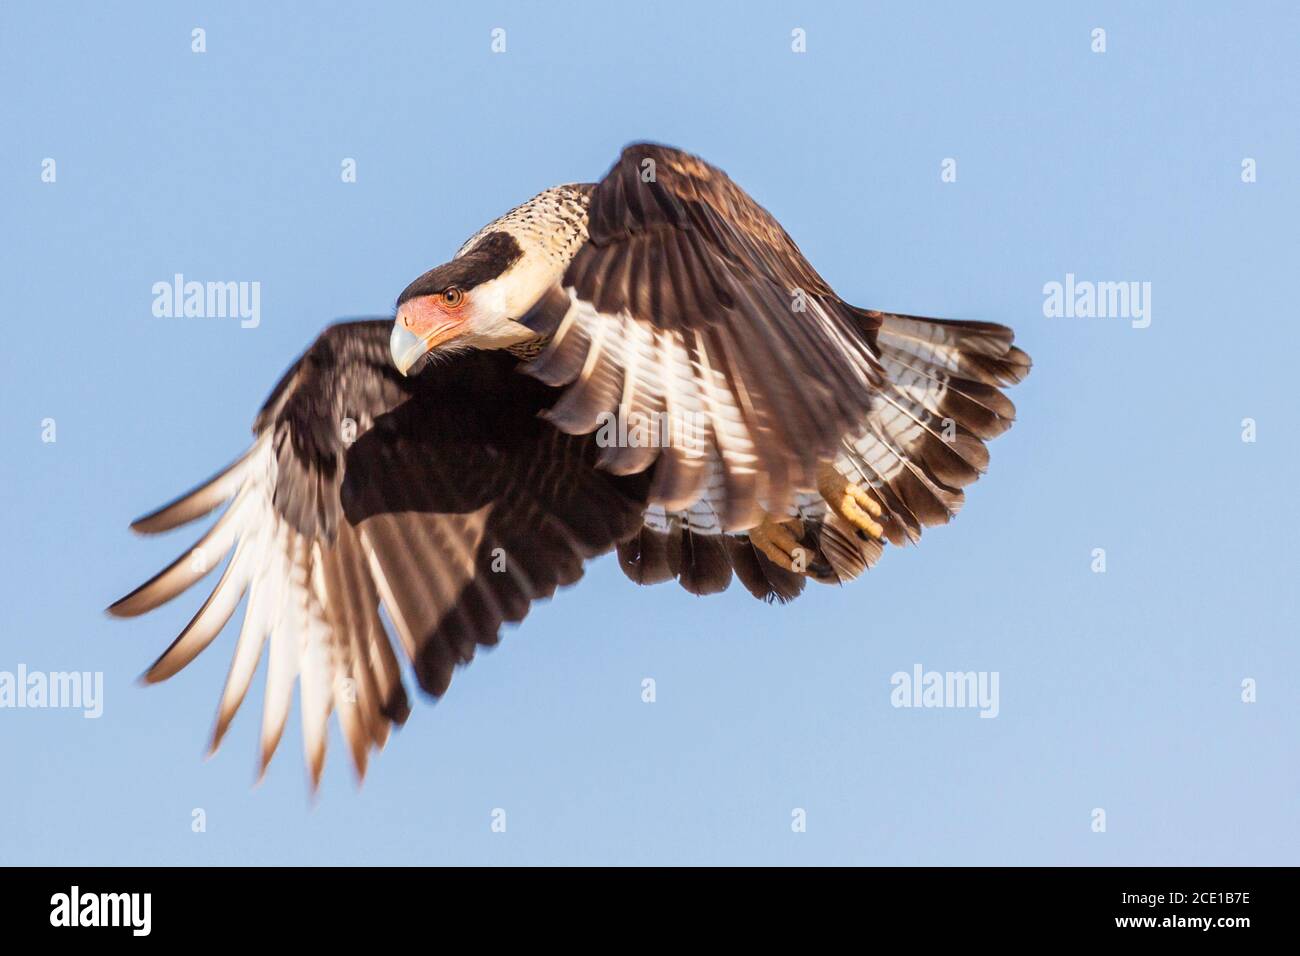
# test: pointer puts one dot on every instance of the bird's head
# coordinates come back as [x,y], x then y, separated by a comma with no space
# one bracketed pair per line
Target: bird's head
[468,303]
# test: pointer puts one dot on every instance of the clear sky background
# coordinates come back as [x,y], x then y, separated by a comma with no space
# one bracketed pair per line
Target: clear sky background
[1119,691]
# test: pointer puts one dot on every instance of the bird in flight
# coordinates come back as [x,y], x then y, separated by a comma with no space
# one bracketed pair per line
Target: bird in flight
[646,364]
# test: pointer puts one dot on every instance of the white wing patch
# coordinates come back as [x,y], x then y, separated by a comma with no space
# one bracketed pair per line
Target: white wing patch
[620,369]
[315,606]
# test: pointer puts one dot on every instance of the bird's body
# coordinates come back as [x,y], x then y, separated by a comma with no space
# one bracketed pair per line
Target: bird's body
[458,463]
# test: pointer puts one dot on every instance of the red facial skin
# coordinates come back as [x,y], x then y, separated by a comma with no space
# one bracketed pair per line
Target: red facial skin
[435,319]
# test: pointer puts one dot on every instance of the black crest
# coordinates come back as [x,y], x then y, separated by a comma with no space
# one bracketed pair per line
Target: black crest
[490,257]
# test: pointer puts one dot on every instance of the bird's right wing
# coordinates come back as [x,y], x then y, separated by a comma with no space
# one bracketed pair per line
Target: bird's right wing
[443,499]
[689,304]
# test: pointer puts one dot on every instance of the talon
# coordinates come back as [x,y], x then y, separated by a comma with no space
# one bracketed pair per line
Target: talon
[779,542]
[851,502]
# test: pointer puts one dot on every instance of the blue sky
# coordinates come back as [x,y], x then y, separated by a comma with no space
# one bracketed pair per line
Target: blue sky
[1118,690]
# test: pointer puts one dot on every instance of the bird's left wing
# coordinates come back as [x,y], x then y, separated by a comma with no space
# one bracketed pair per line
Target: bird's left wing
[442,499]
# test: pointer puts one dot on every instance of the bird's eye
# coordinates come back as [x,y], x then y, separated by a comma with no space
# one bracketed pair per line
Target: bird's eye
[452,297]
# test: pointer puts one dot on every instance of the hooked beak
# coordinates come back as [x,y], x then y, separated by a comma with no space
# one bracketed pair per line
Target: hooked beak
[417,331]
[407,348]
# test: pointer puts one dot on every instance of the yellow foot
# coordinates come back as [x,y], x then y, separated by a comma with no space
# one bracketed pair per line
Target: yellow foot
[850,502]
[779,541]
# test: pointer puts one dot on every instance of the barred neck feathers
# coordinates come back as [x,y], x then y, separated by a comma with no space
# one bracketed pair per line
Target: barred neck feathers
[549,229]
[551,225]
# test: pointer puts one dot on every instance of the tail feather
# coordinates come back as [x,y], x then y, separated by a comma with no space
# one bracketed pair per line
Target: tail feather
[919,446]
[923,441]
[703,563]
[980,351]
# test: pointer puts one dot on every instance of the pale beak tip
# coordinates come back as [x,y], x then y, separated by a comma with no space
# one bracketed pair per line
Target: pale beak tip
[406,348]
